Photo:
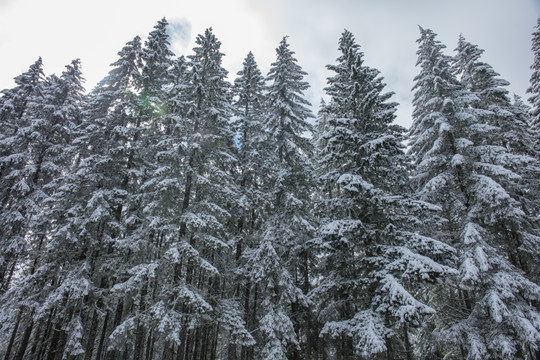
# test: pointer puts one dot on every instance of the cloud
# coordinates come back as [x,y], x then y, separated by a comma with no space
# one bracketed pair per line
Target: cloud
[179,31]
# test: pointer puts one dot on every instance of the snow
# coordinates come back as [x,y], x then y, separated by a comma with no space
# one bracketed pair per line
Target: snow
[354,183]
[367,330]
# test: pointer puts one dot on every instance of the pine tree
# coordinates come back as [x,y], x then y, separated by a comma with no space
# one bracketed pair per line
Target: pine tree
[492,101]
[14,104]
[51,122]
[100,188]
[279,265]
[461,166]
[371,253]
[195,153]
[534,89]
[249,107]
[510,130]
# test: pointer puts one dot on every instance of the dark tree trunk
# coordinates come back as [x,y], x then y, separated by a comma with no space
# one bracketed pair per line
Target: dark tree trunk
[231,351]
[25,339]
[13,335]
[150,348]
[5,286]
[55,342]
[247,319]
[102,336]
[407,343]
[45,336]
[140,333]
[92,333]
[61,345]
[112,354]
[37,338]
[389,349]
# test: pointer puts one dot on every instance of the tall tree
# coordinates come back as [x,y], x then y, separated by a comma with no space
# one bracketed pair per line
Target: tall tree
[461,166]
[534,89]
[492,106]
[371,252]
[14,104]
[51,122]
[253,149]
[280,263]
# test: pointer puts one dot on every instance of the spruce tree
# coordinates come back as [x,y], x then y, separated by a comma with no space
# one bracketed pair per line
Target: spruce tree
[249,108]
[14,104]
[373,259]
[279,265]
[460,164]
[534,89]
[51,121]
[509,129]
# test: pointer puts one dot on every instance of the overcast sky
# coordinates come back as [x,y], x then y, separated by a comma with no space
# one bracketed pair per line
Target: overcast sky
[94,31]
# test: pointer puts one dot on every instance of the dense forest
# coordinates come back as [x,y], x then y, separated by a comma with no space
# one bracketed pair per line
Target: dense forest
[170,213]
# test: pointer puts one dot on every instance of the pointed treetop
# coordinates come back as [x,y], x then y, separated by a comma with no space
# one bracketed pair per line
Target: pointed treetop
[534,89]
[72,77]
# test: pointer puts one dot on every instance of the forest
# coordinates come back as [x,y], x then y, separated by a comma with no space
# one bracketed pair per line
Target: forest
[172,213]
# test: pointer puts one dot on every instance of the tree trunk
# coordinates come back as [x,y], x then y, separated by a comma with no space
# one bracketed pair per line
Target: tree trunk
[55,340]
[141,330]
[102,336]
[25,339]
[37,339]
[45,336]
[150,348]
[231,351]
[247,319]
[13,335]
[5,286]
[112,354]
[407,343]
[92,333]
[389,349]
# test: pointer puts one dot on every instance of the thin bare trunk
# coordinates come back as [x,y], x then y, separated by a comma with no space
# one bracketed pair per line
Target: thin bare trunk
[13,335]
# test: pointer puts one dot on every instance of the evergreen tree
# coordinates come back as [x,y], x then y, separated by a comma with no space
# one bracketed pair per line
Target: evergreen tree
[96,195]
[492,107]
[490,98]
[51,121]
[461,166]
[253,172]
[371,252]
[191,301]
[534,89]
[279,266]
[14,104]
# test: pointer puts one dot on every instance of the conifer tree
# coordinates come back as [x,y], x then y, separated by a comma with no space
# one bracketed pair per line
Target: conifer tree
[249,107]
[458,165]
[280,263]
[14,104]
[371,253]
[534,89]
[198,245]
[97,193]
[492,107]
[51,121]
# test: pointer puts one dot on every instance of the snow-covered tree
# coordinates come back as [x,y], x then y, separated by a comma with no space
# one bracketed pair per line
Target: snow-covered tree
[461,165]
[492,102]
[282,278]
[50,124]
[253,172]
[534,89]
[373,259]
[191,192]
[492,107]
[14,104]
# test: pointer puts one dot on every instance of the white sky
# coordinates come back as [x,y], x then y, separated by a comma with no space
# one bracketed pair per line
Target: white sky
[94,31]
